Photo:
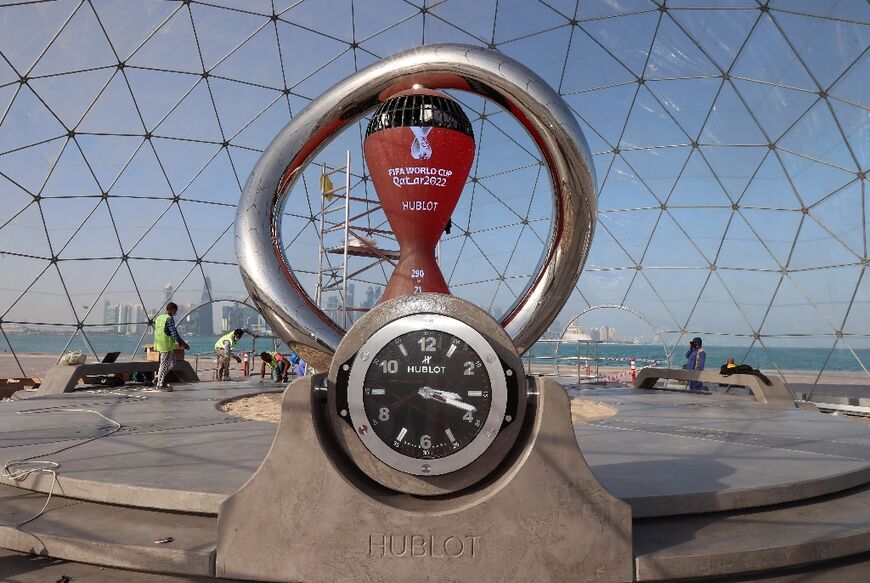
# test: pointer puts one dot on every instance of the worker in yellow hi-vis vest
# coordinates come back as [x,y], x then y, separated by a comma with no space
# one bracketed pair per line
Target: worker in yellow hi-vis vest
[224,350]
[166,338]
[278,363]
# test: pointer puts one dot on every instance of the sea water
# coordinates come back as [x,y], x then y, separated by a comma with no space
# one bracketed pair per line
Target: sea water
[616,355]
[760,357]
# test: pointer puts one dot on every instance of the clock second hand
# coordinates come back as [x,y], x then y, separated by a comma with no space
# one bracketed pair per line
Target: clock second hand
[399,402]
[428,414]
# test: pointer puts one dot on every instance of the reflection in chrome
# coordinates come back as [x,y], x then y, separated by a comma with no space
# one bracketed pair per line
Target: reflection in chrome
[265,269]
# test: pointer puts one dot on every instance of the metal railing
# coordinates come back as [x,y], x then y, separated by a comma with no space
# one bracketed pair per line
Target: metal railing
[579,366]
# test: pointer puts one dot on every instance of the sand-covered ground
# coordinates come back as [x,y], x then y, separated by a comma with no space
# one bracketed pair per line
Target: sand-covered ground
[584,410]
[263,407]
[267,407]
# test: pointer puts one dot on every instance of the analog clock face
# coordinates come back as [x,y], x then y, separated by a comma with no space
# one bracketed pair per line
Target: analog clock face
[427,394]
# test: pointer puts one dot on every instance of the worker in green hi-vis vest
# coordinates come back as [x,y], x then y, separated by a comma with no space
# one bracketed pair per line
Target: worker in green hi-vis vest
[166,338]
[224,350]
[278,363]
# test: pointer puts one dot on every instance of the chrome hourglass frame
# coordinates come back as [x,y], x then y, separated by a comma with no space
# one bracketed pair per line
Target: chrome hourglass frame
[266,271]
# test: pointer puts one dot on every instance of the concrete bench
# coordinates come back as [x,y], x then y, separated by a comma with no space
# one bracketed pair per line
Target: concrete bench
[776,393]
[63,378]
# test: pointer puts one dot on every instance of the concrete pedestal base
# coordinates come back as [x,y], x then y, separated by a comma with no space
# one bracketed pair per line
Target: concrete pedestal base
[309,515]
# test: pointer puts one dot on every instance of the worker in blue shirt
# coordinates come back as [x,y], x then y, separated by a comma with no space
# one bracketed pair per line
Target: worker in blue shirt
[695,358]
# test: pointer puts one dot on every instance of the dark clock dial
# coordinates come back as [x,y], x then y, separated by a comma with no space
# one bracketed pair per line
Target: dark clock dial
[427,394]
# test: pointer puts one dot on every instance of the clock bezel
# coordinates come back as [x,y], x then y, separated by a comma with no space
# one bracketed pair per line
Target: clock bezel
[488,432]
[362,467]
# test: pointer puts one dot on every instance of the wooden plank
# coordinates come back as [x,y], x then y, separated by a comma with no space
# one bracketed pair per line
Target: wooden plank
[10,385]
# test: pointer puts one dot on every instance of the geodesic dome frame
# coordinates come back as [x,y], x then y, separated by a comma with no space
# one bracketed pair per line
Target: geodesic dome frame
[729,139]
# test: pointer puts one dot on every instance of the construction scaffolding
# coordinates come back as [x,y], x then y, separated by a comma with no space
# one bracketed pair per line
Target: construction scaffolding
[343,235]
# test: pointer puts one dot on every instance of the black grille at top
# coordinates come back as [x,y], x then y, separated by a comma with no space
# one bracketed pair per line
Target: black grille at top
[420,110]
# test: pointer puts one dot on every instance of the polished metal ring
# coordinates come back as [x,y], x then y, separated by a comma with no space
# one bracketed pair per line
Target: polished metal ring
[265,269]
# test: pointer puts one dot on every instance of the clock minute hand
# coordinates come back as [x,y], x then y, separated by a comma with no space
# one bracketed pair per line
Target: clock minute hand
[461,405]
[446,397]
[446,394]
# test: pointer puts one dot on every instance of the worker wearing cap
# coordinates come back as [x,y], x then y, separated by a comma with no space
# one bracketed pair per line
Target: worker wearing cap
[166,338]
[695,358]
[224,350]
[277,362]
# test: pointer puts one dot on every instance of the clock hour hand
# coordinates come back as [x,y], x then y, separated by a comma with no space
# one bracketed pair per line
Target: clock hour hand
[446,397]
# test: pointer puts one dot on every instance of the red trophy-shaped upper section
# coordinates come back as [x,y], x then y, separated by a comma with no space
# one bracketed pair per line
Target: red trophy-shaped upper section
[419,148]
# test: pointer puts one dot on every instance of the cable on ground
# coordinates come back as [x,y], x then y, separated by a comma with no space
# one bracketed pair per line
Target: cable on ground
[20,469]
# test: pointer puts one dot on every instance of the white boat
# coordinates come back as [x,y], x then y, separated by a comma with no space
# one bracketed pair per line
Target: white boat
[574,333]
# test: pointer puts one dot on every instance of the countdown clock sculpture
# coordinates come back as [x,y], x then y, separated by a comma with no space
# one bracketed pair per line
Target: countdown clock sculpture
[425,453]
